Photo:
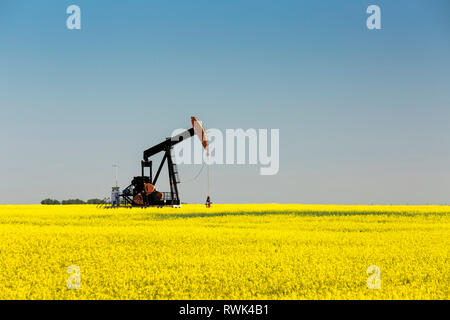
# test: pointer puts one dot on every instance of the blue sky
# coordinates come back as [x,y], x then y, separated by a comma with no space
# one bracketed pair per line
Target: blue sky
[363,115]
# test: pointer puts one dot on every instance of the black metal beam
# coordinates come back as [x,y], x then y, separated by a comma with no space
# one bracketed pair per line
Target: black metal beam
[159,169]
[168,143]
[151,172]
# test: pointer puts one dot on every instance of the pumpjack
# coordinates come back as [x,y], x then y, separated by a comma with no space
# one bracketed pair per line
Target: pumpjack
[142,190]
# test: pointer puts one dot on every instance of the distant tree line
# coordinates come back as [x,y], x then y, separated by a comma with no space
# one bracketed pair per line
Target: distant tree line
[71,201]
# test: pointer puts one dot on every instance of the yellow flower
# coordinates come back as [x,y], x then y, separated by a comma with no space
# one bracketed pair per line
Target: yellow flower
[263,251]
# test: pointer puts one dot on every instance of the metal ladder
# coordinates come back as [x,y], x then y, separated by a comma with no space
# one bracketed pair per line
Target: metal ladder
[175,170]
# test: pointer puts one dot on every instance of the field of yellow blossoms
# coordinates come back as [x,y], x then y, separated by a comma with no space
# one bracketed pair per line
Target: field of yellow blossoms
[265,251]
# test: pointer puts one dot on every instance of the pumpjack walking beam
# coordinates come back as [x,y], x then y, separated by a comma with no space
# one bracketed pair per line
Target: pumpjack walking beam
[170,142]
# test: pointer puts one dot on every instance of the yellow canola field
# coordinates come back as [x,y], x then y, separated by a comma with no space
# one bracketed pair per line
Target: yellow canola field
[265,251]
